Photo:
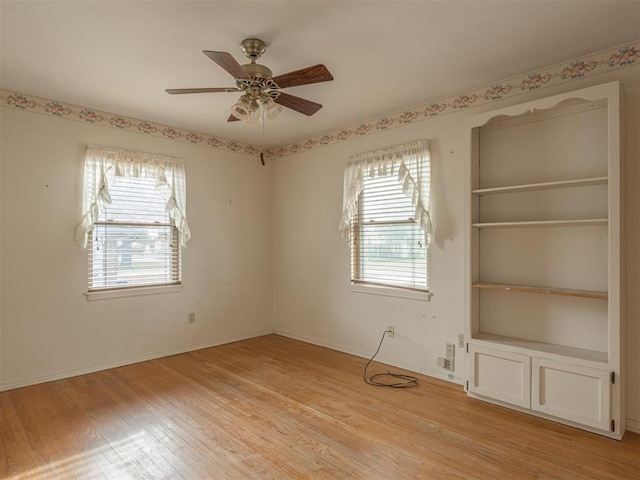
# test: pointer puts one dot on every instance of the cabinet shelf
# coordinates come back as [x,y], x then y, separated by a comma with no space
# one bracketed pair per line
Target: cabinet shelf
[528,346]
[588,222]
[567,292]
[583,182]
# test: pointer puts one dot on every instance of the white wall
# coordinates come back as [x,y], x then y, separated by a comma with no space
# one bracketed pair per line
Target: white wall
[312,297]
[49,329]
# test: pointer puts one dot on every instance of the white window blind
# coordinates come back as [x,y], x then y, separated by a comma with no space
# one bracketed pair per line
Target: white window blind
[134,242]
[386,216]
[388,244]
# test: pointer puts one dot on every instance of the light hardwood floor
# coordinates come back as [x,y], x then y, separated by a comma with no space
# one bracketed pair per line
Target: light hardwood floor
[276,408]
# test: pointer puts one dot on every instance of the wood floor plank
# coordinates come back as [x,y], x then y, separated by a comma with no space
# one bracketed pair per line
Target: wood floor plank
[276,408]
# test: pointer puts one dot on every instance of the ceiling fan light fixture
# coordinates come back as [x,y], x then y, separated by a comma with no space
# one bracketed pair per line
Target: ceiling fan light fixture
[271,108]
[242,108]
[255,112]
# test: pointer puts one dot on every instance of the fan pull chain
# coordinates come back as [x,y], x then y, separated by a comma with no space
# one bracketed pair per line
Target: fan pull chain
[262,152]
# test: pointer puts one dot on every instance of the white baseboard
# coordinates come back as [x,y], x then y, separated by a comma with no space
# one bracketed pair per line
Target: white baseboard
[633,425]
[431,372]
[49,377]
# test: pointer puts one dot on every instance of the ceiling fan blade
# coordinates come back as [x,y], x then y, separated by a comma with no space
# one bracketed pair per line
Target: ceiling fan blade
[298,104]
[226,61]
[232,119]
[314,74]
[180,91]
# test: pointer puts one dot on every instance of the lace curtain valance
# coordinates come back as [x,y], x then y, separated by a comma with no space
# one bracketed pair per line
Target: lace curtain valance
[103,164]
[409,163]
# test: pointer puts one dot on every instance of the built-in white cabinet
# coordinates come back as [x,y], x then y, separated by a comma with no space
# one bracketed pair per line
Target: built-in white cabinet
[501,375]
[544,272]
[573,392]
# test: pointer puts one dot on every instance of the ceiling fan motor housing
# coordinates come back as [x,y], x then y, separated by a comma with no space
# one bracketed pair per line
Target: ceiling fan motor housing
[257,71]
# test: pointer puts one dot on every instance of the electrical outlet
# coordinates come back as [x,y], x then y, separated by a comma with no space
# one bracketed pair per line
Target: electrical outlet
[192,317]
[461,340]
[451,350]
[391,331]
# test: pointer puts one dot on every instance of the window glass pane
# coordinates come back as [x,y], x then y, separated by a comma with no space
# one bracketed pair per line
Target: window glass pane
[135,200]
[125,256]
[383,200]
[393,254]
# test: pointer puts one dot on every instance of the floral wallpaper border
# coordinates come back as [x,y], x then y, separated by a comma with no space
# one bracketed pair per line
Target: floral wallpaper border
[574,69]
[96,117]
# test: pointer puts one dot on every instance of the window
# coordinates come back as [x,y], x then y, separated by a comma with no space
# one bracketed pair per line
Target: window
[134,242]
[134,221]
[386,217]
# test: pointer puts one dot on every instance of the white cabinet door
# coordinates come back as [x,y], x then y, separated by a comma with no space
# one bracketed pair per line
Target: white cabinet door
[501,375]
[577,393]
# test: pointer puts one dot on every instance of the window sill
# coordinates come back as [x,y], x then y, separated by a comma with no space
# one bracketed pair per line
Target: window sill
[132,292]
[391,292]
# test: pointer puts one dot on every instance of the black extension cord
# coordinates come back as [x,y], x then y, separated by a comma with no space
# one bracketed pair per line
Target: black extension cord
[405,381]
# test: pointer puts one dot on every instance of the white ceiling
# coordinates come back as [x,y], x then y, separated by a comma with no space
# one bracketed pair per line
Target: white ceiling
[119,56]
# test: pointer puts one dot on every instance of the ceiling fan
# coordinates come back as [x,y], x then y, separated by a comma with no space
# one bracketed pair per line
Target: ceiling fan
[262,95]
